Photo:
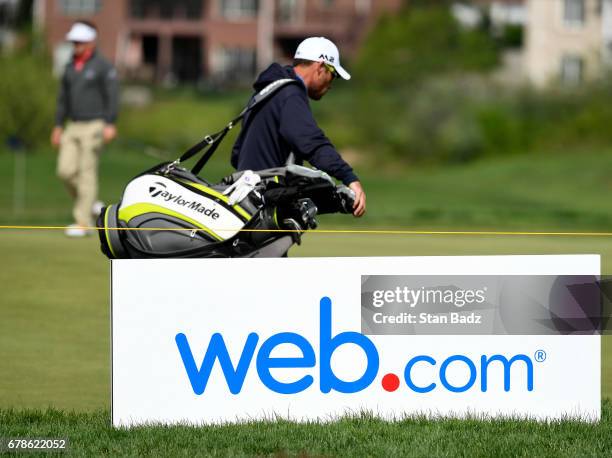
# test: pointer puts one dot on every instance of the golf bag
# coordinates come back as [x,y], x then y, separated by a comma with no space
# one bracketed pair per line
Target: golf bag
[170,212]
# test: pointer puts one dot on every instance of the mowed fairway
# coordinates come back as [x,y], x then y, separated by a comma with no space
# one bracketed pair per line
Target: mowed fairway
[54,304]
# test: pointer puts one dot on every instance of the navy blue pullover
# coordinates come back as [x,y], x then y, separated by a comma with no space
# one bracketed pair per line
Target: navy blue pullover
[282,125]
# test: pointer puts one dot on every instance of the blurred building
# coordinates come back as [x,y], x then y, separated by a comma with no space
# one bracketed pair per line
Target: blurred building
[190,40]
[500,13]
[8,11]
[508,12]
[568,41]
[506,20]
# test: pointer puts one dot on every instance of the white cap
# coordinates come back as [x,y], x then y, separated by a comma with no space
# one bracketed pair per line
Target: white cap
[319,49]
[81,33]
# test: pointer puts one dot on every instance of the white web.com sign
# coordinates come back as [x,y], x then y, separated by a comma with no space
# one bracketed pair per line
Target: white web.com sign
[224,340]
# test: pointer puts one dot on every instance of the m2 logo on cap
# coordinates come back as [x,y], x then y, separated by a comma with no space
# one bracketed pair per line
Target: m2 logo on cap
[327,58]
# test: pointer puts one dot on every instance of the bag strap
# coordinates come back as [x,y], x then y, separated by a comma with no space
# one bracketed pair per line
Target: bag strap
[210,143]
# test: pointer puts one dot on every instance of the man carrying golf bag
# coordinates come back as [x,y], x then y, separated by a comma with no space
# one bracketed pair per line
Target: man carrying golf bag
[263,208]
[284,128]
[170,212]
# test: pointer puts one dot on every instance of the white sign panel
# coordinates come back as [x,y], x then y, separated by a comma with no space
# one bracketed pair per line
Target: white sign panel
[225,340]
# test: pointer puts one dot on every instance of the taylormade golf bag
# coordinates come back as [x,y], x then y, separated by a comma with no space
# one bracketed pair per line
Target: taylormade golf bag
[170,212]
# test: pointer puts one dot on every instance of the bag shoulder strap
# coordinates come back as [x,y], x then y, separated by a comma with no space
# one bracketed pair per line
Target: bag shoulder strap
[210,143]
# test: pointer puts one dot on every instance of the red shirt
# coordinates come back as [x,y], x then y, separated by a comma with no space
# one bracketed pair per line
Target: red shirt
[79,61]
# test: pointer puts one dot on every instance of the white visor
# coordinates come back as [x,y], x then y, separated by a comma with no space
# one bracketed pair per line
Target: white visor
[81,33]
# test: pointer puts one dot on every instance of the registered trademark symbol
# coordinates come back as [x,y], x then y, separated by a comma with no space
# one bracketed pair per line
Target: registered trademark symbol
[540,356]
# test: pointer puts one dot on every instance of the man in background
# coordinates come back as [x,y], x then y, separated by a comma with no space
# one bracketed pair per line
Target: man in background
[87,105]
[284,127]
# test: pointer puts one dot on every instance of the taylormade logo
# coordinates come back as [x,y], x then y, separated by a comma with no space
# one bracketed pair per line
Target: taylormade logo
[157,189]
[160,191]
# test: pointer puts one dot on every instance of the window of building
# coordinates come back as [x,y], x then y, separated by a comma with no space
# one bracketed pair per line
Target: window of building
[138,9]
[6,13]
[236,64]
[607,54]
[239,9]
[573,12]
[363,7]
[193,8]
[187,58]
[572,70]
[287,11]
[166,9]
[80,7]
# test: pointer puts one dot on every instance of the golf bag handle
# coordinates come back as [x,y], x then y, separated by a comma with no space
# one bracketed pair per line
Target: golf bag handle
[210,143]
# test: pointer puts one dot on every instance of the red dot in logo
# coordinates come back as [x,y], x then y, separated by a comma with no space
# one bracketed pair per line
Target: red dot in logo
[390,382]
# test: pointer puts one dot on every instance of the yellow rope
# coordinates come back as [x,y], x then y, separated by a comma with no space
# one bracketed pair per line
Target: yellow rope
[336,231]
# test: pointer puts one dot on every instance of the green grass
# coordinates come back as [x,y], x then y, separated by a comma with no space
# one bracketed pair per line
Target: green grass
[90,434]
[54,303]
[538,193]
[54,326]
[176,120]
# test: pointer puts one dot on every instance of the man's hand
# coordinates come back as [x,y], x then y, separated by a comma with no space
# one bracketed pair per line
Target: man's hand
[56,136]
[359,207]
[109,133]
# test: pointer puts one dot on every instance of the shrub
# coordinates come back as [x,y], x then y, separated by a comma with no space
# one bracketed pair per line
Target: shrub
[27,99]
[421,41]
[454,120]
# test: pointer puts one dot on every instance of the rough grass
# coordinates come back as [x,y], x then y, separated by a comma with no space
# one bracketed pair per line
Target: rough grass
[91,434]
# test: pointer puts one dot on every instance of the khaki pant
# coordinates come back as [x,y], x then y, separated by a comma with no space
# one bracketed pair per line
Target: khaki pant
[77,166]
